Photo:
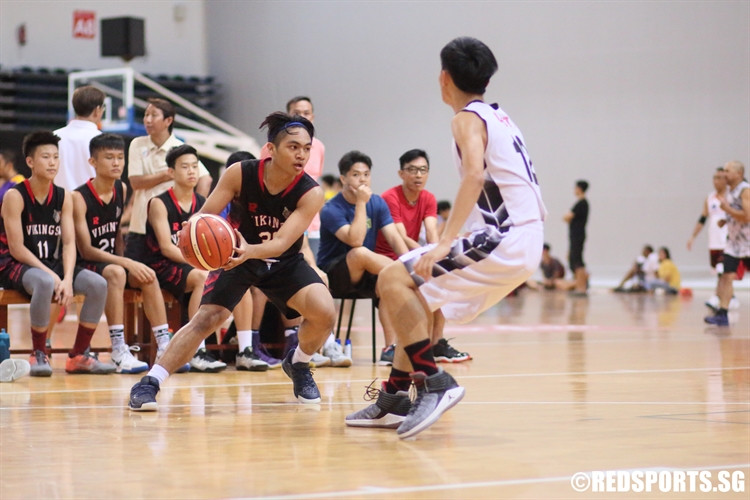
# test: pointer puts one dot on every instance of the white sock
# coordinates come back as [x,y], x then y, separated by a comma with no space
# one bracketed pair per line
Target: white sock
[245,339]
[161,333]
[159,373]
[117,335]
[300,357]
[203,344]
[290,331]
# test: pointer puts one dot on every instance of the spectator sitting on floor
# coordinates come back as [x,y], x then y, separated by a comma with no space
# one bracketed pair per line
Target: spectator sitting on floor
[553,273]
[667,277]
[643,270]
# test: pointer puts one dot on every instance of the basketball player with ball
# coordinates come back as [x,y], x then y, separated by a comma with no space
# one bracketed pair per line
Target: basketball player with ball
[275,201]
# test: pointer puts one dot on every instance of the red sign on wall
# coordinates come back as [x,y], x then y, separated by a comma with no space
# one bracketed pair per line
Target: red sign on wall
[84,23]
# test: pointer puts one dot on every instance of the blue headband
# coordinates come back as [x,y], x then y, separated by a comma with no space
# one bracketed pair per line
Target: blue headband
[285,128]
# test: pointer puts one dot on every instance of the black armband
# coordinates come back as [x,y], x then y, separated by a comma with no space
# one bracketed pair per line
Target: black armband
[702,220]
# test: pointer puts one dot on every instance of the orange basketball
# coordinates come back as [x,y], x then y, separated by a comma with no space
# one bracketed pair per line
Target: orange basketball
[207,241]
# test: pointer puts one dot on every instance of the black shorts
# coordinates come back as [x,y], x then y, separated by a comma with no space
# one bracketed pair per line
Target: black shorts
[279,283]
[11,276]
[715,257]
[340,281]
[731,263]
[575,256]
[172,276]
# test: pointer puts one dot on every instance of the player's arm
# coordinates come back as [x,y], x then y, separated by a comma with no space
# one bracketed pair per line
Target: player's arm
[309,257]
[119,240]
[204,181]
[430,229]
[64,290]
[290,231]
[225,191]
[698,225]
[394,238]
[740,215]
[12,208]
[470,134]
[139,180]
[158,218]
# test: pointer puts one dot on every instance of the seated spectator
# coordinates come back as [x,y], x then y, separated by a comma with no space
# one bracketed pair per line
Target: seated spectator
[553,273]
[412,208]
[350,223]
[97,211]
[667,277]
[8,175]
[443,212]
[166,213]
[643,270]
[37,221]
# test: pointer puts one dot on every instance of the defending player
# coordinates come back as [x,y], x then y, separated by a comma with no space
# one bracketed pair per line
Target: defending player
[97,209]
[277,201]
[38,257]
[499,203]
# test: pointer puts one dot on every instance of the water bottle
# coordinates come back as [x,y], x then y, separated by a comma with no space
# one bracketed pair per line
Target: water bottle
[4,345]
[348,348]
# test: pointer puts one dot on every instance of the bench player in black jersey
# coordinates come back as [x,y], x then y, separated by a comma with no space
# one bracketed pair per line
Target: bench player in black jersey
[277,201]
[166,213]
[38,257]
[97,210]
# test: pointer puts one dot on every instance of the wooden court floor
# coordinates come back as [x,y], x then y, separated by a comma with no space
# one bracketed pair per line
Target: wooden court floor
[557,386]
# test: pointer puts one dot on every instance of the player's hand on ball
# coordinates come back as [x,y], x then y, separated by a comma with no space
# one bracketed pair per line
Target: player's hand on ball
[423,267]
[241,252]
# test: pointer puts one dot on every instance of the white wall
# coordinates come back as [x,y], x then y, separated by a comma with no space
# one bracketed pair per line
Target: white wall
[643,99]
[172,47]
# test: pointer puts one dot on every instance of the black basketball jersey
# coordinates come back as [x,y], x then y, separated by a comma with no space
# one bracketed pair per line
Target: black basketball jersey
[103,219]
[257,214]
[175,217]
[40,223]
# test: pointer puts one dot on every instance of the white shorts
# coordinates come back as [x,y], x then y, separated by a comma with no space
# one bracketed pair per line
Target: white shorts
[479,270]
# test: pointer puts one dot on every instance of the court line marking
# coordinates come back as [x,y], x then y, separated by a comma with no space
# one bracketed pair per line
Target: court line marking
[381,490]
[367,381]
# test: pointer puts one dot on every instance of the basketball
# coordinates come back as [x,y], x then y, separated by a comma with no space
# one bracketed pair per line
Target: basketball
[207,242]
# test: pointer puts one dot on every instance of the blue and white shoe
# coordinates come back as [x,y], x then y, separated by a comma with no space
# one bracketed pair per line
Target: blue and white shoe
[305,389]
[143,395]
[125,362]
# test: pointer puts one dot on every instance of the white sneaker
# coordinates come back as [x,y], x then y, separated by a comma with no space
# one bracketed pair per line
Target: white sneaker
[160,352]
[334,351]
[247,360]
[204,362]
[13,369]
[713,303]
[734,304]
[126,362]
[319,361]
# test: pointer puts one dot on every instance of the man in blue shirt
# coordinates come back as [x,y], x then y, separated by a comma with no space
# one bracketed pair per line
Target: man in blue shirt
[349,225]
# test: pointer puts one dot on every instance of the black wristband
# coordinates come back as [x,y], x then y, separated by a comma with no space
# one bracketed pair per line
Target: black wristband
[702,220]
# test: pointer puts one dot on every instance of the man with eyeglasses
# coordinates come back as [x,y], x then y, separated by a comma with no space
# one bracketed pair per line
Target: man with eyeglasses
[412,207]
[74,168]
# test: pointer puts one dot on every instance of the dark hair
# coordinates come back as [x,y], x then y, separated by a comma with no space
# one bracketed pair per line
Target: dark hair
[328,179]
[470,63]
[239,156]
[666,252]
[278,123]
[412,155]
[295,100]
[443,205]
[177,151]
[106,141]
[349,159]
[720,169]
[649,248]
[546,247]
[86,99]
[583,185]
[9,155]
[36,139]
[167,109]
